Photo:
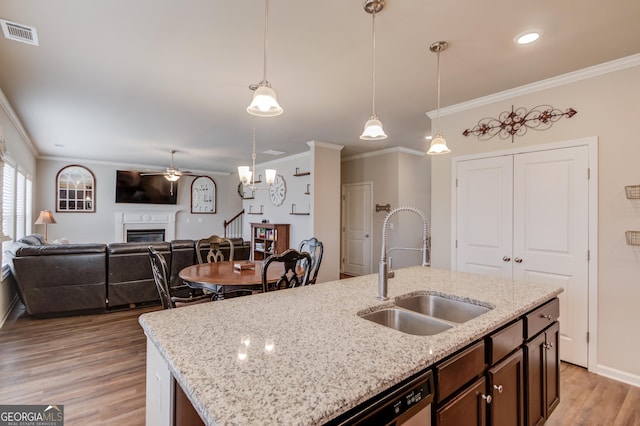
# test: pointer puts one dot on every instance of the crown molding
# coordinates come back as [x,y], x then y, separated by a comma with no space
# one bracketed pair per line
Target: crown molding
[392,150]
[6,106]
[572,77]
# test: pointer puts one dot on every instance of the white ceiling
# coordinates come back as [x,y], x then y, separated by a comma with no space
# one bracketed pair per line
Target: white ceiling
[127,81]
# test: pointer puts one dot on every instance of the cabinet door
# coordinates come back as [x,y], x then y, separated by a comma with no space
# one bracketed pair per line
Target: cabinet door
[535,371]
[552,367]
[466,409]
[506,385]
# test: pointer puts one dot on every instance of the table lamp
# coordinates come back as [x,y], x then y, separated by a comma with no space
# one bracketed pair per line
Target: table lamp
[45,218]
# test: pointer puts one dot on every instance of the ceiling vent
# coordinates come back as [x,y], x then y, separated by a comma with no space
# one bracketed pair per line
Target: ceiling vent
[18,32]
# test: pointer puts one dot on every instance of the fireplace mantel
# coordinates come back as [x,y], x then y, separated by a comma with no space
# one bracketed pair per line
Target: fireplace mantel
[156,219]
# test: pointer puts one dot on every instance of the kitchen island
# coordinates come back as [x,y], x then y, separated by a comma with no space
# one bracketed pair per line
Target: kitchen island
[304,355]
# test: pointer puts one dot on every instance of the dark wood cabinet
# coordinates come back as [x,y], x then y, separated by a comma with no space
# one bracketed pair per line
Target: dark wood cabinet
[506,387]
[268,239]
[542,364]
[468,408]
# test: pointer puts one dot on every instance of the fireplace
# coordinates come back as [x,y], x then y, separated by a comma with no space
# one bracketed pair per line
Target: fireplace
[147,222]
[145,235]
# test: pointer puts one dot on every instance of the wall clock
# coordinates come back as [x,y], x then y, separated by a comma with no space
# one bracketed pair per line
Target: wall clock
[278,190]
[203,195]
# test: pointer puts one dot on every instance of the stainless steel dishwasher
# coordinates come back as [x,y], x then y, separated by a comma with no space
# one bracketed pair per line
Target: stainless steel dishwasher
[407,404]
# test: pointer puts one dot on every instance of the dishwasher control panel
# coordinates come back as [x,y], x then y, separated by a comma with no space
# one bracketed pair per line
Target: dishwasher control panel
[384,409]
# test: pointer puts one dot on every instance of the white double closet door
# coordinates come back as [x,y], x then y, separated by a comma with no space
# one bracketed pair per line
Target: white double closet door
[526,217]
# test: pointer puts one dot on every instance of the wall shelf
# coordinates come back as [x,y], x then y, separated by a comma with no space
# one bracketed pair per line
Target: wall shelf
[300,214]
[255,213]
[299,173]
[633,191]
[633,238]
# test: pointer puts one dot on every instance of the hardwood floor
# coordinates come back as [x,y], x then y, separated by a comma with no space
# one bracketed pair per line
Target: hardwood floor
[95,366]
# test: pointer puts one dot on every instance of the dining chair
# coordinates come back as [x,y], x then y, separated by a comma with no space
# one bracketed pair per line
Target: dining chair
[214,254]
[161,278]
[315,250]
[296,270]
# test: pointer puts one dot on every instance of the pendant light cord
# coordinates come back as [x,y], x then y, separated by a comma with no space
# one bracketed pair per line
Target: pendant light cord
[266,39]
[438,110]
[373,65]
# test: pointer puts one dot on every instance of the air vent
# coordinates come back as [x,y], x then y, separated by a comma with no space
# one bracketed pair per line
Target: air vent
[273,152]
[18,32]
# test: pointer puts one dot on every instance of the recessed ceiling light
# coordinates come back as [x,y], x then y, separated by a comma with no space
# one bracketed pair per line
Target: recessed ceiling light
[428,137]
[528,37]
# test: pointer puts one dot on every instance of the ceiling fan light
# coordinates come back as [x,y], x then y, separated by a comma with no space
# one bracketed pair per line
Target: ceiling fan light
[438,146]
[265,102]
[244,173]
[373,130]
[172,177]
[270,176]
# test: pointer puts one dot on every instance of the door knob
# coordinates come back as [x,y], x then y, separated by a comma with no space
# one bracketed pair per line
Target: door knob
[366,235]
[506,259]
[517,260]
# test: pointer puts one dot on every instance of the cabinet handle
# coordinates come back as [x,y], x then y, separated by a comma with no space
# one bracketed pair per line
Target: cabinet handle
[486,398]
[548,317]
[548,346]
[506,259]
[517,260]
[498,388]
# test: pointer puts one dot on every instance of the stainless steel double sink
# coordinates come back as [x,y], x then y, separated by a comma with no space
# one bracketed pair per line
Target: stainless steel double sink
[425,314]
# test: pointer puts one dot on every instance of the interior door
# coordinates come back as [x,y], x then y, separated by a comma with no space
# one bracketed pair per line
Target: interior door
[526,217]
[551,235]
[484,212]
[356,229]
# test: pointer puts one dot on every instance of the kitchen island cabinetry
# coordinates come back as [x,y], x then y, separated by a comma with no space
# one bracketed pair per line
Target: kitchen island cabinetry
[329,360]
[542,360]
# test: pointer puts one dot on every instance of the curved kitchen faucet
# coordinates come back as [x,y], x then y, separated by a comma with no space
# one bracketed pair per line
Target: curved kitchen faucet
[383,274]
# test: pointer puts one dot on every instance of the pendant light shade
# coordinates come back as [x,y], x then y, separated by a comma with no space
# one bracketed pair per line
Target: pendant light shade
[373,130]
[264,102]
[438,143]
[438,146]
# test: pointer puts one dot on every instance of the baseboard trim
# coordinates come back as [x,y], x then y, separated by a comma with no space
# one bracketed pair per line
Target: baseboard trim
[621,376]
[12,305]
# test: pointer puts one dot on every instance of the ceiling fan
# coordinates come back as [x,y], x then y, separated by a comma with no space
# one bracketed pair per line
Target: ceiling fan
[171,173]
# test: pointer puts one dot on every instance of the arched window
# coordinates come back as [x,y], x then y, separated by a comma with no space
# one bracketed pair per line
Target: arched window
[76,190]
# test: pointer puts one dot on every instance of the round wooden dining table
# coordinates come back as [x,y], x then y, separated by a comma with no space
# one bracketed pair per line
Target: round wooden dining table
[211,276]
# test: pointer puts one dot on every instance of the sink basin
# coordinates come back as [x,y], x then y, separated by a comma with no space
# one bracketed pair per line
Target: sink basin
[442,307]
[407,322]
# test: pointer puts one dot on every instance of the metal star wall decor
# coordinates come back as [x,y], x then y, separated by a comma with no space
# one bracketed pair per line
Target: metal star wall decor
[517,121]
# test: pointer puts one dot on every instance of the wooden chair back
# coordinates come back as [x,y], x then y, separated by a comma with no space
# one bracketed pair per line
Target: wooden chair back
[296,270]
[315,250]
[214,254]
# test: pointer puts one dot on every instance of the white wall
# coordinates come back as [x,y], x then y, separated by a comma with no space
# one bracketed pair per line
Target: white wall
[400,178]
[608,106]
[99,227]
[20,151]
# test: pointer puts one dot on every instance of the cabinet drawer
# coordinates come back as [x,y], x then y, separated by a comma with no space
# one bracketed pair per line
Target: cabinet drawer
[541,318]
[452,374]
[466,409]
[503,342]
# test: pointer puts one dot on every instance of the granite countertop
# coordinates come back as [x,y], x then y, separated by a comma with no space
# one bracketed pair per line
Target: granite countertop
[310,357]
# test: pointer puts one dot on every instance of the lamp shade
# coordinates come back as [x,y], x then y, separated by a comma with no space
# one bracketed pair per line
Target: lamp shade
[264,103]
[244,173]
[373,130]
[45,218]
[438,146]
[270,176]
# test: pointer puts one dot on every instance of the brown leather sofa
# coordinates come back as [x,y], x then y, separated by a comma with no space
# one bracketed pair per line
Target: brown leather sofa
[64,279]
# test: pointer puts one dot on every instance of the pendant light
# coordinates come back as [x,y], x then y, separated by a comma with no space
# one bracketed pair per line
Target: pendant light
[438,144]
[264,102]
[248,176]
[373,130]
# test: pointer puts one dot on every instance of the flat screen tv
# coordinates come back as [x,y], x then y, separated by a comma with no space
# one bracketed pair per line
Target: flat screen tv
[131,187]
